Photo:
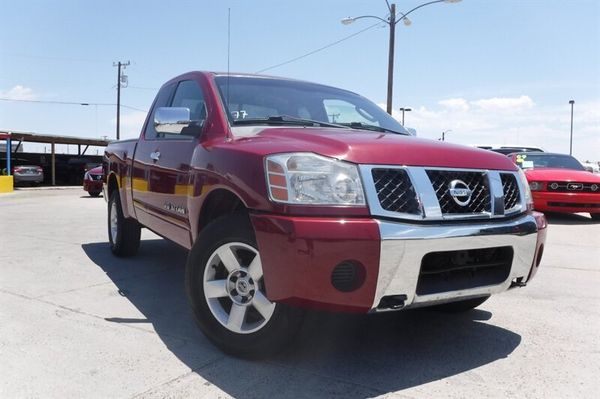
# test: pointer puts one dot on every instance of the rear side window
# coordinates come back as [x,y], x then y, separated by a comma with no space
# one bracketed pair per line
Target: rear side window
[162,100]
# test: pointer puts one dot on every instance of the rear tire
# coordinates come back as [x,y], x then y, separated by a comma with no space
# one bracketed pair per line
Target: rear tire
[123,234]
[460,306]
[225,287]
[94,194]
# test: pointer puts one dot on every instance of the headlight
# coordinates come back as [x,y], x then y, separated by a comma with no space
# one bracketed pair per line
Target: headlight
[306,178]
[536,186]
[528,196]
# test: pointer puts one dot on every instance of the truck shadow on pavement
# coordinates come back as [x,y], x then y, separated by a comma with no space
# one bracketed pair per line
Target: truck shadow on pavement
[351,356]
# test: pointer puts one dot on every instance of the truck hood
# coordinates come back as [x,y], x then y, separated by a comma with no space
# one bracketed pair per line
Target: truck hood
[556,174]
[365,147]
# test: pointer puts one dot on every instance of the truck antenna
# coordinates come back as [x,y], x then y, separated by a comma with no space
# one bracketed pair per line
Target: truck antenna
[228,50]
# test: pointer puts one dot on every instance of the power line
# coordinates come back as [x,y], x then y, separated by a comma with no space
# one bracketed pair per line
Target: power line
[319,49]
[69,103]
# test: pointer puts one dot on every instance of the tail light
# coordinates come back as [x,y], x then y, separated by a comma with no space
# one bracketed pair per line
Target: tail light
[17,170]
[40,170]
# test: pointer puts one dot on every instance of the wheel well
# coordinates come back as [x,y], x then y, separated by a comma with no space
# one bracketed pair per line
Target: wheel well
[220,202]
[112,185]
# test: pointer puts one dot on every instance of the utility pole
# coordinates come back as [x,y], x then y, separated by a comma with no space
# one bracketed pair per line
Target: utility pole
[121,78]
[572,102]
[392,25]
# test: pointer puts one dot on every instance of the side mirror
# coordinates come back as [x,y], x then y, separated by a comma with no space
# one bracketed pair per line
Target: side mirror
[174,120]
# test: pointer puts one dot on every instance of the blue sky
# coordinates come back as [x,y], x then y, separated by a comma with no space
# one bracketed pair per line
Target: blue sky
[493,71]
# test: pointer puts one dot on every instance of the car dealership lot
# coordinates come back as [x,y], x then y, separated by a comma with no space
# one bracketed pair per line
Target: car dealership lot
[77,322]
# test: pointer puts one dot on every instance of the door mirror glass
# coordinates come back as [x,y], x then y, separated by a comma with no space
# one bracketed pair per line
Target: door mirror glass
[174,120]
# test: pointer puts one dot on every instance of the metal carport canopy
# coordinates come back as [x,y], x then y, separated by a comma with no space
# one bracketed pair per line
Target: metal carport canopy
[52,139]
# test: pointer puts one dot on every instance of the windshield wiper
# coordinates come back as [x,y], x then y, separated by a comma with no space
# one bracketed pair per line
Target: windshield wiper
[285,120]
[366,126]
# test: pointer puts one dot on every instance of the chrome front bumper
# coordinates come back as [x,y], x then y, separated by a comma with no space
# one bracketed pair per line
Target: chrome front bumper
[403,247]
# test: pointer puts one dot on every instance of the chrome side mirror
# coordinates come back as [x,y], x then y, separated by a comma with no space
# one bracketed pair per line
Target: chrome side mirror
[173,120]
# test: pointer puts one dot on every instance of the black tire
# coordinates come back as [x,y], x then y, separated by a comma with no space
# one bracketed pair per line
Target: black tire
[460,306]
[126,240]
[274,332]
[94,194]
[595,216]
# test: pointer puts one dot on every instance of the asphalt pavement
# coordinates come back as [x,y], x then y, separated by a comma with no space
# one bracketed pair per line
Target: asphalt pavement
[77,322]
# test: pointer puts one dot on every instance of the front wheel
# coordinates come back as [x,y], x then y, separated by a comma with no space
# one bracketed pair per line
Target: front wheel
[123,234]
[595,216]
[226,289]
[460,306]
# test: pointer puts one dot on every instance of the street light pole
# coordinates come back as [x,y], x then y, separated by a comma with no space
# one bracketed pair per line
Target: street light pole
[572,102]
[403,110]
[392,22]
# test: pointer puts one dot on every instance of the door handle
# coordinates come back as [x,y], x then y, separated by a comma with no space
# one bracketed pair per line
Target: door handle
[155,156]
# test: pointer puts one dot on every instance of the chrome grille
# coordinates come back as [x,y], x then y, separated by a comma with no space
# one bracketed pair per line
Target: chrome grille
[566,187]
[511,191]
[424,193]
[476,181]
[395,191]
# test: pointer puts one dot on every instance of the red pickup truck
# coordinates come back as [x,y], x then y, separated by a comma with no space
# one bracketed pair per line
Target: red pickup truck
[293,195]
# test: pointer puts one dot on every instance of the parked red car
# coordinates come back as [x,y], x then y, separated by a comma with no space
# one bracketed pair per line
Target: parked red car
[293,195]
[559,183]
[93,180]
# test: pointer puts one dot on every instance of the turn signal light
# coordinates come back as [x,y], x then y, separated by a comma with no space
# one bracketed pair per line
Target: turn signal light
[277,181]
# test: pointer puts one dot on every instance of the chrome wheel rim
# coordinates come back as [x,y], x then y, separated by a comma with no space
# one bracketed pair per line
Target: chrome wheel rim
[113,222]
[234,288]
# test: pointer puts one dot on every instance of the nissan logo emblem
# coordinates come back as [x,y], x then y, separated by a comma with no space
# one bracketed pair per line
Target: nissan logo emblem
[460,192]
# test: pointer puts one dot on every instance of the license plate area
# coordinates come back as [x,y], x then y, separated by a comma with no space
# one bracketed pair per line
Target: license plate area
[464,269]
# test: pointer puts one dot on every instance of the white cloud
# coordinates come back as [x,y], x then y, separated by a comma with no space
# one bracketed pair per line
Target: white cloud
[504,103]
[19,92]
[458,104]
[528,123]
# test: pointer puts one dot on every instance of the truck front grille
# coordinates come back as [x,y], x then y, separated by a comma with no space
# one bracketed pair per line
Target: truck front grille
[422,193]
[512,197]
[458,270]
[395,191]
[569,187]
[476,182]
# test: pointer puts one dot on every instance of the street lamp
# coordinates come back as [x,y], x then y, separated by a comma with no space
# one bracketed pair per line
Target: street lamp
[391,22]
[444,134]
[404,110]
[572,102]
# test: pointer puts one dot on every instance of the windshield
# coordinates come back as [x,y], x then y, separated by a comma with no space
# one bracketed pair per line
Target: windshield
[535,161]
[256,99]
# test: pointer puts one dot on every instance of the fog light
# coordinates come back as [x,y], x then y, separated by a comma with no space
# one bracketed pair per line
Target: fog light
[348,276]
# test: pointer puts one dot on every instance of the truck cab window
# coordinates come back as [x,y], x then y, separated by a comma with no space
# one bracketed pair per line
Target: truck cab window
[189,95]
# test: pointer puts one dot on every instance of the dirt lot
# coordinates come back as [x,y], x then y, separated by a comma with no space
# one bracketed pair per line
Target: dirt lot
[77,322]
